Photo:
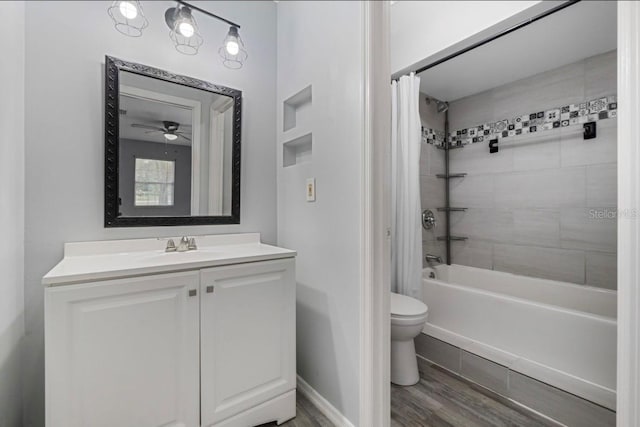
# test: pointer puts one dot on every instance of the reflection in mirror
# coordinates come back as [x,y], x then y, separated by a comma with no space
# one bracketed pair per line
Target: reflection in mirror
[175,149]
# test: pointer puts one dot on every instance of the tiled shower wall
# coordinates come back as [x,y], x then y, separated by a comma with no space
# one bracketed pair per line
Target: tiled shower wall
[544,205]
[432,188]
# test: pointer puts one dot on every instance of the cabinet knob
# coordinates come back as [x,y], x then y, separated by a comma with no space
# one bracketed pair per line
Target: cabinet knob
[193,292]
[209,289]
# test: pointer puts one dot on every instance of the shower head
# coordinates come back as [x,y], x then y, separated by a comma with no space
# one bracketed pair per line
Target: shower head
[441,106]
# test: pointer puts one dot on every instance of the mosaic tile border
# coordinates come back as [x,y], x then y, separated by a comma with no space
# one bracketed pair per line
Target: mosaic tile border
[568,115]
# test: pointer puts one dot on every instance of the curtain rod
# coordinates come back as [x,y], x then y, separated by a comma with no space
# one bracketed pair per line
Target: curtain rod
[497,36]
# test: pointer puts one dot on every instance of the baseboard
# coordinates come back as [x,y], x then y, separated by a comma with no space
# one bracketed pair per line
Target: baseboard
[323,405]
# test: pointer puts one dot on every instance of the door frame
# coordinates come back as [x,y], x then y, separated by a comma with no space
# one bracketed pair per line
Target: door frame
[628,384]
[196,113]
[375,243]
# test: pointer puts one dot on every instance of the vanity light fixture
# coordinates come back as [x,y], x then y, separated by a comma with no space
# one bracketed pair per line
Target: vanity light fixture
[184,29]
[232,51]
[128,17]
[130,21]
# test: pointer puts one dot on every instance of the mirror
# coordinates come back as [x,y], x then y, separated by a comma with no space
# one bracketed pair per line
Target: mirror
[172,148]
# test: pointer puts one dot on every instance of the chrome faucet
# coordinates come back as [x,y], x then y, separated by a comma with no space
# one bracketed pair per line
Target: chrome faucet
[185,244]
[431,258]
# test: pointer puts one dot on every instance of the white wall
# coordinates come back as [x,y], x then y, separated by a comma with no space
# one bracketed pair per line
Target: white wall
[428,29]
[320,43]
[65,47]
[11,211]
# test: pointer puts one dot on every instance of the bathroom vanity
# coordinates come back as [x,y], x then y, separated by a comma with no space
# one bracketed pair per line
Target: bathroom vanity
[136,336]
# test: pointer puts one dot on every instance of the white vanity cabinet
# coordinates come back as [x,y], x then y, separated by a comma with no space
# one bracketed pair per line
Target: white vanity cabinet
[123,352]
[188,340]
[247,330]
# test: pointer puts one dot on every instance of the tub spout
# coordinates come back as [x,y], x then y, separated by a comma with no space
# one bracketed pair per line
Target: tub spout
[435,258]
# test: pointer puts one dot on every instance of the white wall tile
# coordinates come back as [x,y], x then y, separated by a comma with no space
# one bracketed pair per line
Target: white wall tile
[600,75]
[484,372]
[473,110]
[476,159]
[432,192]
[472,253]
[529,203]
[551,89]
[483,224]
[431,159]
[549,188]
[602,270]
[429,115]
[570,410]
[538,227]
[425,153]
[472,191]
[575,150]
[602,185]
[436,161]
[547,263]
[582,228]
[536,151]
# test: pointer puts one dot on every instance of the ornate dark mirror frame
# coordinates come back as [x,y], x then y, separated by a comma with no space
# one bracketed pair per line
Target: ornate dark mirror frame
[111,145]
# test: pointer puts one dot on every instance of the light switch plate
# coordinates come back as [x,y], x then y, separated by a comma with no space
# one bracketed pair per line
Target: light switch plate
[311,189]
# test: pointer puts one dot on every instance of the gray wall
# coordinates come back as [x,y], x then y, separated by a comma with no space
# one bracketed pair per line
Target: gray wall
[11,212]
[65,47]
[530,206]
[181,154]
[319,44]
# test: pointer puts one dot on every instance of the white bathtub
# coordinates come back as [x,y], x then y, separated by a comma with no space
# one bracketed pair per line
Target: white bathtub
[559,333]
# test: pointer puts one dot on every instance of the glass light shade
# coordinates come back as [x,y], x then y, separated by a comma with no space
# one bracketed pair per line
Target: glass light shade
[184,31]
[232,51]
[128,17]
[170,136]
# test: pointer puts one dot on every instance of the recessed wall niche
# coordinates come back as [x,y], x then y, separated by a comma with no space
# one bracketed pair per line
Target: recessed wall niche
[297,150]
[296,109]
[297,118]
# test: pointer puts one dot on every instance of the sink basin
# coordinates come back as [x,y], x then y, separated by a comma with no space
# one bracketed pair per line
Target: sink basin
[177,257]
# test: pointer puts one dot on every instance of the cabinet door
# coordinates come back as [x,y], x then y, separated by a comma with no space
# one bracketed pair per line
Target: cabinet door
[123,352]
[247,336]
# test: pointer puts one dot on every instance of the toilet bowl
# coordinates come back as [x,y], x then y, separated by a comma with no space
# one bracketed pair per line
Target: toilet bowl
[408,316]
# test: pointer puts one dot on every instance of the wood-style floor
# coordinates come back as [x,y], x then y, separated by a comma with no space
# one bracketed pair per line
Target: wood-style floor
[307,415]
[442,399]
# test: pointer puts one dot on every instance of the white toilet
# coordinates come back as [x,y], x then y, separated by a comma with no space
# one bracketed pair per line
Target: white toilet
[408,316]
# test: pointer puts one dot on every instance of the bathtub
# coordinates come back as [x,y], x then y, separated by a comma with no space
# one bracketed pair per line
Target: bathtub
[559,333]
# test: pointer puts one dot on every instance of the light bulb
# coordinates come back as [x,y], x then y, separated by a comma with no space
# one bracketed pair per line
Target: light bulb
[128,9]
[186,29]
[170,136]
[232,47]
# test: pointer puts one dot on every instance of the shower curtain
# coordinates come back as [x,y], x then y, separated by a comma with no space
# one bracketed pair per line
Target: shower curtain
[406,231]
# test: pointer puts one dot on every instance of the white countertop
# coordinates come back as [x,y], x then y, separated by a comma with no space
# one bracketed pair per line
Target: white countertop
[112,259]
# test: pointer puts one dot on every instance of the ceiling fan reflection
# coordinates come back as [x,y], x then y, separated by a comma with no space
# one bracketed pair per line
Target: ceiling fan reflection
[170,130]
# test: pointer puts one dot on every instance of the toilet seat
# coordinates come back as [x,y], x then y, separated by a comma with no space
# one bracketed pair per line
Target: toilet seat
[406,307]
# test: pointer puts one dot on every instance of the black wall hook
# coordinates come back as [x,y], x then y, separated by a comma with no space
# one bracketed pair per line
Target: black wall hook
[493,146]
[590,130]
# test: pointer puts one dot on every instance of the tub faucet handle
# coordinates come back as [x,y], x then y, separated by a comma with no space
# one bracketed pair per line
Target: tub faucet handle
[428,219]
